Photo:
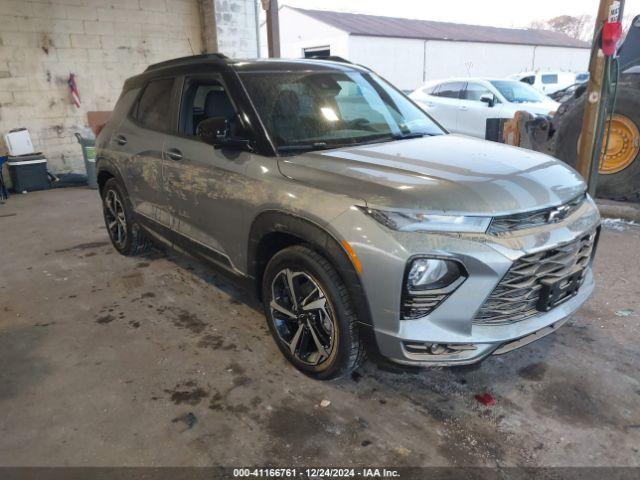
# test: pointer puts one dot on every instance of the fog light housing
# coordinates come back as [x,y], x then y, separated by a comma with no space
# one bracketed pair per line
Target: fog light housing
[432,273]
[428,282]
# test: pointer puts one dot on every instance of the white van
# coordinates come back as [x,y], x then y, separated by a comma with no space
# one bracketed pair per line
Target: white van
[546,82]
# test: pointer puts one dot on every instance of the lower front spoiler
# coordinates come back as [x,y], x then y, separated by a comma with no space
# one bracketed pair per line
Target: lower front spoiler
[473,353]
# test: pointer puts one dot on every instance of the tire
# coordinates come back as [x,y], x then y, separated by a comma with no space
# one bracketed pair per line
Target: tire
[333,328]
[622,185]
[126,235]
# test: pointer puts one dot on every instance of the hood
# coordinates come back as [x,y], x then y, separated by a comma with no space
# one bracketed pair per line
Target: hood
[445,173]
[541,108]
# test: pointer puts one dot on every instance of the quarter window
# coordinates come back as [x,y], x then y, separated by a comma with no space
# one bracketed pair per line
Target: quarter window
[546,79]
[154,107]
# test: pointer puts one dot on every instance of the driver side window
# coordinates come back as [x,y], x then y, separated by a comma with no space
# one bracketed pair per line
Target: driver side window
[204,99]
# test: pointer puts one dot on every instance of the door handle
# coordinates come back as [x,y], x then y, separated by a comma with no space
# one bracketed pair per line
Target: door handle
[121,139]
[463,108]
[174,154]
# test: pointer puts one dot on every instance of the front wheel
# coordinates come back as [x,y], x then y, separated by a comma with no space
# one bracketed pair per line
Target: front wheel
[310,314]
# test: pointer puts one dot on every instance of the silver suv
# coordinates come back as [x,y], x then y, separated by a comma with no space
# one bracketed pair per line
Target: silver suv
[360,222]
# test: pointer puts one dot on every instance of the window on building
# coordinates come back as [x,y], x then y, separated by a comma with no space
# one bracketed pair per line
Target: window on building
[154,107]
[313,52]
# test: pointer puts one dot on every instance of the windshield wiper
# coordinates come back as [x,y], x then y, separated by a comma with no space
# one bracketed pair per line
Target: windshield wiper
[405,136]
[303,147]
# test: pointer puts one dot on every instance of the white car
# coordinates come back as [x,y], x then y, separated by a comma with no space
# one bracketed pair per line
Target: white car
[464,105]
[547,82]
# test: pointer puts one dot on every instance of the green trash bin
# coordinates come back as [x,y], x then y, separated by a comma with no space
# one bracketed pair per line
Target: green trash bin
[88,145]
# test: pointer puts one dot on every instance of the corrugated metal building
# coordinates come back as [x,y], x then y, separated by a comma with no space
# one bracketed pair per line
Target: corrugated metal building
[408,52]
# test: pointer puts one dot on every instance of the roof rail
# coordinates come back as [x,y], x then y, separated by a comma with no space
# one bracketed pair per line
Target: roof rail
[332,58]
[185,60]
[335,58]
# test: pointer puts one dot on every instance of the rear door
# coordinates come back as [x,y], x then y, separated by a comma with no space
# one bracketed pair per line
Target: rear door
[473,113]
[444,104]
[140,138]
[205,185]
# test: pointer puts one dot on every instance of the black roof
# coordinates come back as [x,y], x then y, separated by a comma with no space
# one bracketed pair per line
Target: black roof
[376,26]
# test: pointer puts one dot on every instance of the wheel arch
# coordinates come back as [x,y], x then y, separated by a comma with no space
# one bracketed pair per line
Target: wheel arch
[273,230]
[106,170]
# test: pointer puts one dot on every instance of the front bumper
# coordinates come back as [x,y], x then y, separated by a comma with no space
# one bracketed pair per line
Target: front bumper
[384,255]
[486,339]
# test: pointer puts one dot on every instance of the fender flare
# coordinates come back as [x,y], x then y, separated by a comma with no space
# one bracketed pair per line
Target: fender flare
[276,221]
[103,164]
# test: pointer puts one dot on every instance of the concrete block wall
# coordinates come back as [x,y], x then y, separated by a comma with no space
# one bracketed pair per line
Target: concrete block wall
[236,28]
[102,41]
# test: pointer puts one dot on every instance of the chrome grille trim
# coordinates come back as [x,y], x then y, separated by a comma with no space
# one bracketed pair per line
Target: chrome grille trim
[516,296]
[536,218]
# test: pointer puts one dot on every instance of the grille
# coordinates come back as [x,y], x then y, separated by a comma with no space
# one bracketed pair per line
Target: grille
[536,218]
[516,296]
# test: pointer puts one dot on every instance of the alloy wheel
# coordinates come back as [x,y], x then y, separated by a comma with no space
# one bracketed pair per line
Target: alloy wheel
[115,217]
[303,316]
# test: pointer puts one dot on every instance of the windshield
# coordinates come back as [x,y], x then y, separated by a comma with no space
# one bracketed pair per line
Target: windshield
[518,92]
[315,110]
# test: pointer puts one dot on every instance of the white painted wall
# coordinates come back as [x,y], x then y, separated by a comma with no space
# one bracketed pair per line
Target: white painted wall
[558,58]
[460,59]
[407,63]
[298,31]
[399,60]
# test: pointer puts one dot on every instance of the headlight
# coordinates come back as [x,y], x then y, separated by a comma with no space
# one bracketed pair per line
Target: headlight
[420,222]
[432,274]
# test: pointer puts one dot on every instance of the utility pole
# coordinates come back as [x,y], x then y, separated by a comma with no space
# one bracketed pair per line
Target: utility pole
[273,27]
[590,143]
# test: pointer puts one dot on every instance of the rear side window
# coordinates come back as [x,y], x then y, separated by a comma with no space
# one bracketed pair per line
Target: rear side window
[550,78]
[433,90]
[154,107]
[451,90]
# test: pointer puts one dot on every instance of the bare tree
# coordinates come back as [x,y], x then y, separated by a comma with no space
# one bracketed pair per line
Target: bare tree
[579,27]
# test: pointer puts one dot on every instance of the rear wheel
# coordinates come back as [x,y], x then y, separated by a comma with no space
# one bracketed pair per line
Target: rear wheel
[310,314]
[619,171]
[124,231]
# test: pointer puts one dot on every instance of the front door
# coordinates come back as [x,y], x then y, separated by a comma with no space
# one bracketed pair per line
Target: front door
[473,113]
[204,185]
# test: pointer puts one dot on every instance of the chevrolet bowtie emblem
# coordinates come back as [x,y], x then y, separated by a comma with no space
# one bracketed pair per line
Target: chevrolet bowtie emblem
[558,214]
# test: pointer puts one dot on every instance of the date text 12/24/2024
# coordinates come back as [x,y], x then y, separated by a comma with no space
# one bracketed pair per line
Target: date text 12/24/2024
[312,473]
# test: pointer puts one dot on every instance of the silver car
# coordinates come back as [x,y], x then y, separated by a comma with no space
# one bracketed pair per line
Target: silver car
[361,223]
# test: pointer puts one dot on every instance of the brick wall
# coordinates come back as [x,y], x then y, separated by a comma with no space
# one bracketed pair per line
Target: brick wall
[101,41]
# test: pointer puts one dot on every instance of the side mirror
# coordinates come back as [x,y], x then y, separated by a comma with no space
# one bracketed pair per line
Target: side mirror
[488,99]
[213,130]
[216,131]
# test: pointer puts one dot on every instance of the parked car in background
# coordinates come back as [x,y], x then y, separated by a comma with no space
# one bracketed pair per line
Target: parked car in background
[565,94]
[547,82]
[464,105]
[352,214]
